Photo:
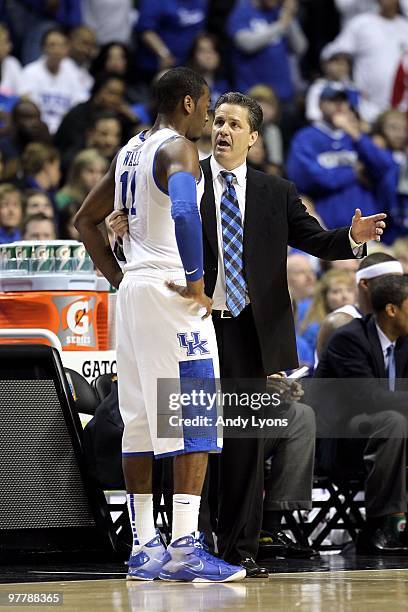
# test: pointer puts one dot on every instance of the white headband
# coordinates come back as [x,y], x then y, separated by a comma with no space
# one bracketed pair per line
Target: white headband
[386,267]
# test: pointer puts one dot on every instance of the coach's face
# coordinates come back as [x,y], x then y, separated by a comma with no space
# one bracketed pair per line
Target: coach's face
[231,135]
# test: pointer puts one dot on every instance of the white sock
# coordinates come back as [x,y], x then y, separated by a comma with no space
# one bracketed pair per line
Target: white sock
[140,507]
[185,514]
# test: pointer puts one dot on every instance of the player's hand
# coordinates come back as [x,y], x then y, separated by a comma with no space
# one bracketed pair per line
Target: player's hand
[364,229]
[118,222]
[194,292]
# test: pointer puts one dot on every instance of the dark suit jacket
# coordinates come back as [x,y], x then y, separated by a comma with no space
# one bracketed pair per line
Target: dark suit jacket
[274,218]
[354,352]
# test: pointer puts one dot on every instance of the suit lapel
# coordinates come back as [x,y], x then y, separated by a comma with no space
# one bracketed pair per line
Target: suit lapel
[254,211]
[376,346]
[207,207]
[401,357]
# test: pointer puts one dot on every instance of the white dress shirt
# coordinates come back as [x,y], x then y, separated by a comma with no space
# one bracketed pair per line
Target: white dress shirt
[219,186]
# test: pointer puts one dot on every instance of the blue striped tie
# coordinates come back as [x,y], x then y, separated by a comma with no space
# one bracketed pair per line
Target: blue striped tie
[232,240]
[391,370]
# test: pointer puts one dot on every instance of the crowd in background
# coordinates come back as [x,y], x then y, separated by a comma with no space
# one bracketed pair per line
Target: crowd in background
[76,82]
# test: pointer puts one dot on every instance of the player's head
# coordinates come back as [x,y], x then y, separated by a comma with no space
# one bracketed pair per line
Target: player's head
[373,267]
[183,94]
[389,295]
[237,121]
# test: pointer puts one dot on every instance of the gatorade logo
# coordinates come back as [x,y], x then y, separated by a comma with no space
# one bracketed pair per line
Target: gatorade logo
[78,318]
[77,315]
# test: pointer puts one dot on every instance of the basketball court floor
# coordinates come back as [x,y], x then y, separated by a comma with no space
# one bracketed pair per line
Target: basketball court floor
[340,582]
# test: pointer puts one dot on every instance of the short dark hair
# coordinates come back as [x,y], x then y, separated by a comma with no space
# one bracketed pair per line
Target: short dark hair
[35,217]
[255,114]
[36,155]
[101,116]
[375,258]
[52,30]
[389,289]
[103,78]
[175,85]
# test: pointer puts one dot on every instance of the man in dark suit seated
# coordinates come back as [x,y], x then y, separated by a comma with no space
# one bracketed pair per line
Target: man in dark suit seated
[370,348]
[289,470]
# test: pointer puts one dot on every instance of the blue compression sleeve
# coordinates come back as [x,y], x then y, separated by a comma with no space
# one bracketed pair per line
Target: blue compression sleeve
[184,211]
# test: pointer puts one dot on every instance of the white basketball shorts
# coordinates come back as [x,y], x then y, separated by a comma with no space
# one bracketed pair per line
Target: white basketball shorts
[161,337]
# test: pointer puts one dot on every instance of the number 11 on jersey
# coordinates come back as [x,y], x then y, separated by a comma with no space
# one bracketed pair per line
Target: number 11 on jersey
[128,195]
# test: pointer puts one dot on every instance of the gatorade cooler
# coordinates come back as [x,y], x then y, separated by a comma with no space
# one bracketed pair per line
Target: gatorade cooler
[54,286]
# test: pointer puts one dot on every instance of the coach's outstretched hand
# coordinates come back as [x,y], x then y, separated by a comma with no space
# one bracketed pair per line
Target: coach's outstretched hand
[195,292]
[364,229]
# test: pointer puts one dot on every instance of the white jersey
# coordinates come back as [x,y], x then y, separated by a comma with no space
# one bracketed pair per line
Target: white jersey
[151,240]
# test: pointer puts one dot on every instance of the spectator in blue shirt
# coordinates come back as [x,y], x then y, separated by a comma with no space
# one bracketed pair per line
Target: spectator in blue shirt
[167,31]
[335,68]
[335,164]
[264,32]
[391,133]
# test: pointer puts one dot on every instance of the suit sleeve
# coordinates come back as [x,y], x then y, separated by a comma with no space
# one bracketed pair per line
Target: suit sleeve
[347,358]
[306,233]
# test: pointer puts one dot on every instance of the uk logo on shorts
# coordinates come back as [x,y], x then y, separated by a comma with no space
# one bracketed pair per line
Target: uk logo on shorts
[195,346]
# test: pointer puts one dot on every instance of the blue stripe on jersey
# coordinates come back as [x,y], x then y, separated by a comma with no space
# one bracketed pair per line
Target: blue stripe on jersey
[198,375]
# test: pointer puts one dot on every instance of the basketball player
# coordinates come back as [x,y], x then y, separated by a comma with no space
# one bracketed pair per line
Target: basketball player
[162,334]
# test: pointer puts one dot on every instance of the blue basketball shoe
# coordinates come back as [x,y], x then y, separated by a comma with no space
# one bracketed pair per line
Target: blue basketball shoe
[147,563]
[187,561]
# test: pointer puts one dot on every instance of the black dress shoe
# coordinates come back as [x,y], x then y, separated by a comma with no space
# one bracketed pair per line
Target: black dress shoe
[380,542]
[276,543]
[253,570]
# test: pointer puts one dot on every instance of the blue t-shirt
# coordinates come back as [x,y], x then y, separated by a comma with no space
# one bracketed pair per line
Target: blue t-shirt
[7,235]
[68,13]
[269,65]
[177,22]
[304,351]
[321,163]
[392,194]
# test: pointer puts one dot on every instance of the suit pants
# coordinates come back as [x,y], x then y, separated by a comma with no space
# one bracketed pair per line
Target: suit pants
[241,468]
[289,483]
[385,461]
